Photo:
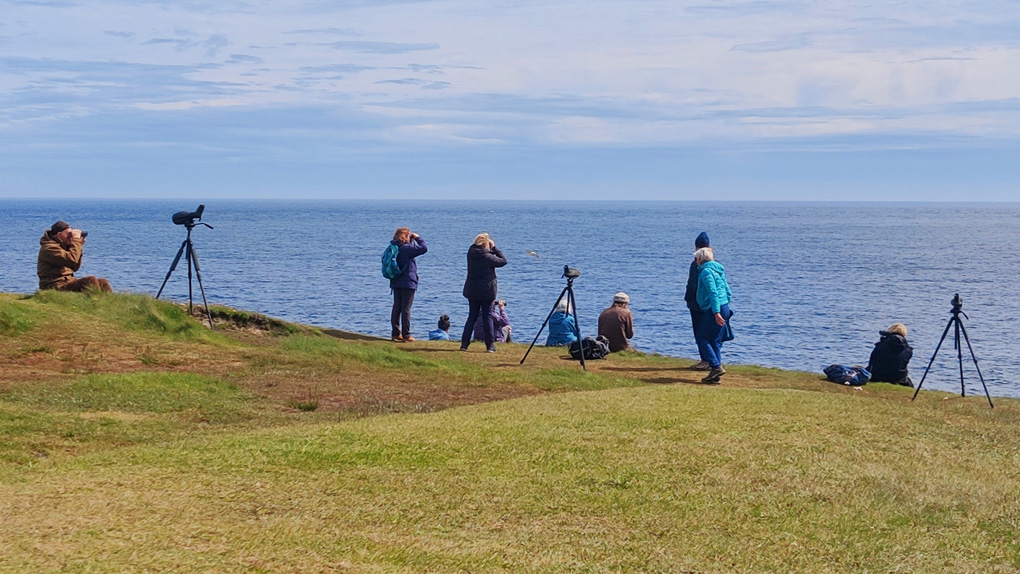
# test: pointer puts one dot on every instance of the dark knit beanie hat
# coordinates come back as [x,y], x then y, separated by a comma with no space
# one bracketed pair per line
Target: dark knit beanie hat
[701,241]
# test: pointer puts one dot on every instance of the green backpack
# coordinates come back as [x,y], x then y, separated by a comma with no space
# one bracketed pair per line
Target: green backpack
[390,269]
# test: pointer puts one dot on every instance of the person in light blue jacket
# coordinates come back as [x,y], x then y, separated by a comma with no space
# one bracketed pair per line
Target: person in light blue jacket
[442,333]
[713,299]
[562,328]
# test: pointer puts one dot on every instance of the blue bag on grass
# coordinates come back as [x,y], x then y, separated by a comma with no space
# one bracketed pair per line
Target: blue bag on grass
[847,375]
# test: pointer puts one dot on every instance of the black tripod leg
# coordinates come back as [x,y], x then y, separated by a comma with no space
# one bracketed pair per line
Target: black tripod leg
[546,322]
[933,355]
[172,267]
[959,355]
[577,326]
[198,274]
[974,357]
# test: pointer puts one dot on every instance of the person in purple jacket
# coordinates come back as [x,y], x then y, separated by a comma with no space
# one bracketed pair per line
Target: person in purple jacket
[480,288]
[409,245]
[501,328]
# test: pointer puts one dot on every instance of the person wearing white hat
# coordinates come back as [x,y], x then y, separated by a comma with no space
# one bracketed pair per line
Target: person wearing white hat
[617,323]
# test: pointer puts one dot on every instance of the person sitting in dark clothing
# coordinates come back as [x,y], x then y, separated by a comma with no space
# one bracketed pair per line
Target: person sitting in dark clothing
[888,362]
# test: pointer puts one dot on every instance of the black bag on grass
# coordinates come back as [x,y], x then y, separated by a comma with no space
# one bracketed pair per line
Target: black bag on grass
[596,348]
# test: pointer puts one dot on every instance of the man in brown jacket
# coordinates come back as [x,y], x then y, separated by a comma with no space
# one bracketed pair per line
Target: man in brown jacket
[617,323]
[60,250]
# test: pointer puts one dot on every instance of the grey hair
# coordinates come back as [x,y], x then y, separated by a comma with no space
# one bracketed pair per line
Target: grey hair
[704,254]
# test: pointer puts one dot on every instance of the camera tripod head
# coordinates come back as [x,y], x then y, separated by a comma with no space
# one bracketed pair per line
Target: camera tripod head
[957,303]
[570,273]
[187,218]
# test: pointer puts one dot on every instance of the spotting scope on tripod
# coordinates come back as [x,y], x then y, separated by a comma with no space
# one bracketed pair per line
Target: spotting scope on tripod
[189,219]
[955,321]
[570,274]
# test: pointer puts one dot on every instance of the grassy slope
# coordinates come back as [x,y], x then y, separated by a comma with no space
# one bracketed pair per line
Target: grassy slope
[135,440]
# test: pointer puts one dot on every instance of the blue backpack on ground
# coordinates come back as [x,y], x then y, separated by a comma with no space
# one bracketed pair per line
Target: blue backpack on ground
[390,269]
[855,375]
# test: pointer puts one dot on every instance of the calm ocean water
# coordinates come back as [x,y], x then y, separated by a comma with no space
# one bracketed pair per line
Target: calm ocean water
[813,283]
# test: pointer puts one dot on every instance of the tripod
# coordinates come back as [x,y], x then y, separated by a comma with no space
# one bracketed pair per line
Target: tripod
[188,250]
[955,321]
[567,292]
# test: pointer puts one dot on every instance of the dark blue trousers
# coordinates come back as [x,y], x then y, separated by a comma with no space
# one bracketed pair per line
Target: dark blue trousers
[695,326]
[710,337]
[478,308]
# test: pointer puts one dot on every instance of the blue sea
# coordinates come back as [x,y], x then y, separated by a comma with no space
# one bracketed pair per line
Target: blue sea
[813,283]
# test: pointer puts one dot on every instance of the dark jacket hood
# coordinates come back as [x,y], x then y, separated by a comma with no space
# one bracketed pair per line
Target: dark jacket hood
[894,340]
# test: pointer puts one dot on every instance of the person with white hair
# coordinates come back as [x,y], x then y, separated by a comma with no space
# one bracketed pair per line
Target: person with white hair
[888,362]
[562,328]
[617,323]
[713,299]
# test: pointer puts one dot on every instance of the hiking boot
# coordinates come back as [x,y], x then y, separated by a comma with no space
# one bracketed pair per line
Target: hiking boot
[463,347]
[397,338]
[409,339]
[714,375]
[491,349]
[702,366]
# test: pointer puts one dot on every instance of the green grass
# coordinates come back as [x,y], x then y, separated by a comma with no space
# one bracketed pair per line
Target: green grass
[136,393]
[138,312]
[98,412]
[655,479]
[13,321]
[146,448]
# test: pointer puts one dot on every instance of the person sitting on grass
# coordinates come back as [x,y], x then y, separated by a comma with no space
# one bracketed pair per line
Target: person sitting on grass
[888,362]
[562,328]
[617,324]
[501,328]
[443,332]
[60,252]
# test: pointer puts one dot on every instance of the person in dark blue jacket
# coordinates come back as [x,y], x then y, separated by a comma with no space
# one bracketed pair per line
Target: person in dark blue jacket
[480,287]
[409,246]
[691,297]
[562,328]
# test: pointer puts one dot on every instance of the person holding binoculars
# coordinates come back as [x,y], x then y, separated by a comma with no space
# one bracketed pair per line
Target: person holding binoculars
[60,252]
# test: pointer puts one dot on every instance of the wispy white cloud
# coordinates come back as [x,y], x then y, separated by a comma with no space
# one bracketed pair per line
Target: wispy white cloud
[382,47]
[547,74]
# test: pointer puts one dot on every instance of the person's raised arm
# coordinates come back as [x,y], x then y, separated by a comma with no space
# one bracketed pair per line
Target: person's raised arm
[69,257]
[495,256]
[417,245]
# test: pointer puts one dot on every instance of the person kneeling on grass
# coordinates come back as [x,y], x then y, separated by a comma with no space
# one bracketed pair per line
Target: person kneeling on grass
[60,252]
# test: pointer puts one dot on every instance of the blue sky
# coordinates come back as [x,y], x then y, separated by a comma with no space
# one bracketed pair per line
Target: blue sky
[593,99]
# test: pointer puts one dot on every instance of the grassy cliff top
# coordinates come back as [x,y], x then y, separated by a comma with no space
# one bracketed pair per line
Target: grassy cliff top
[132,438]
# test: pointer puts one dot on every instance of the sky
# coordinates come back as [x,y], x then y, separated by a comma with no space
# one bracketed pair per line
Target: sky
[480,99]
